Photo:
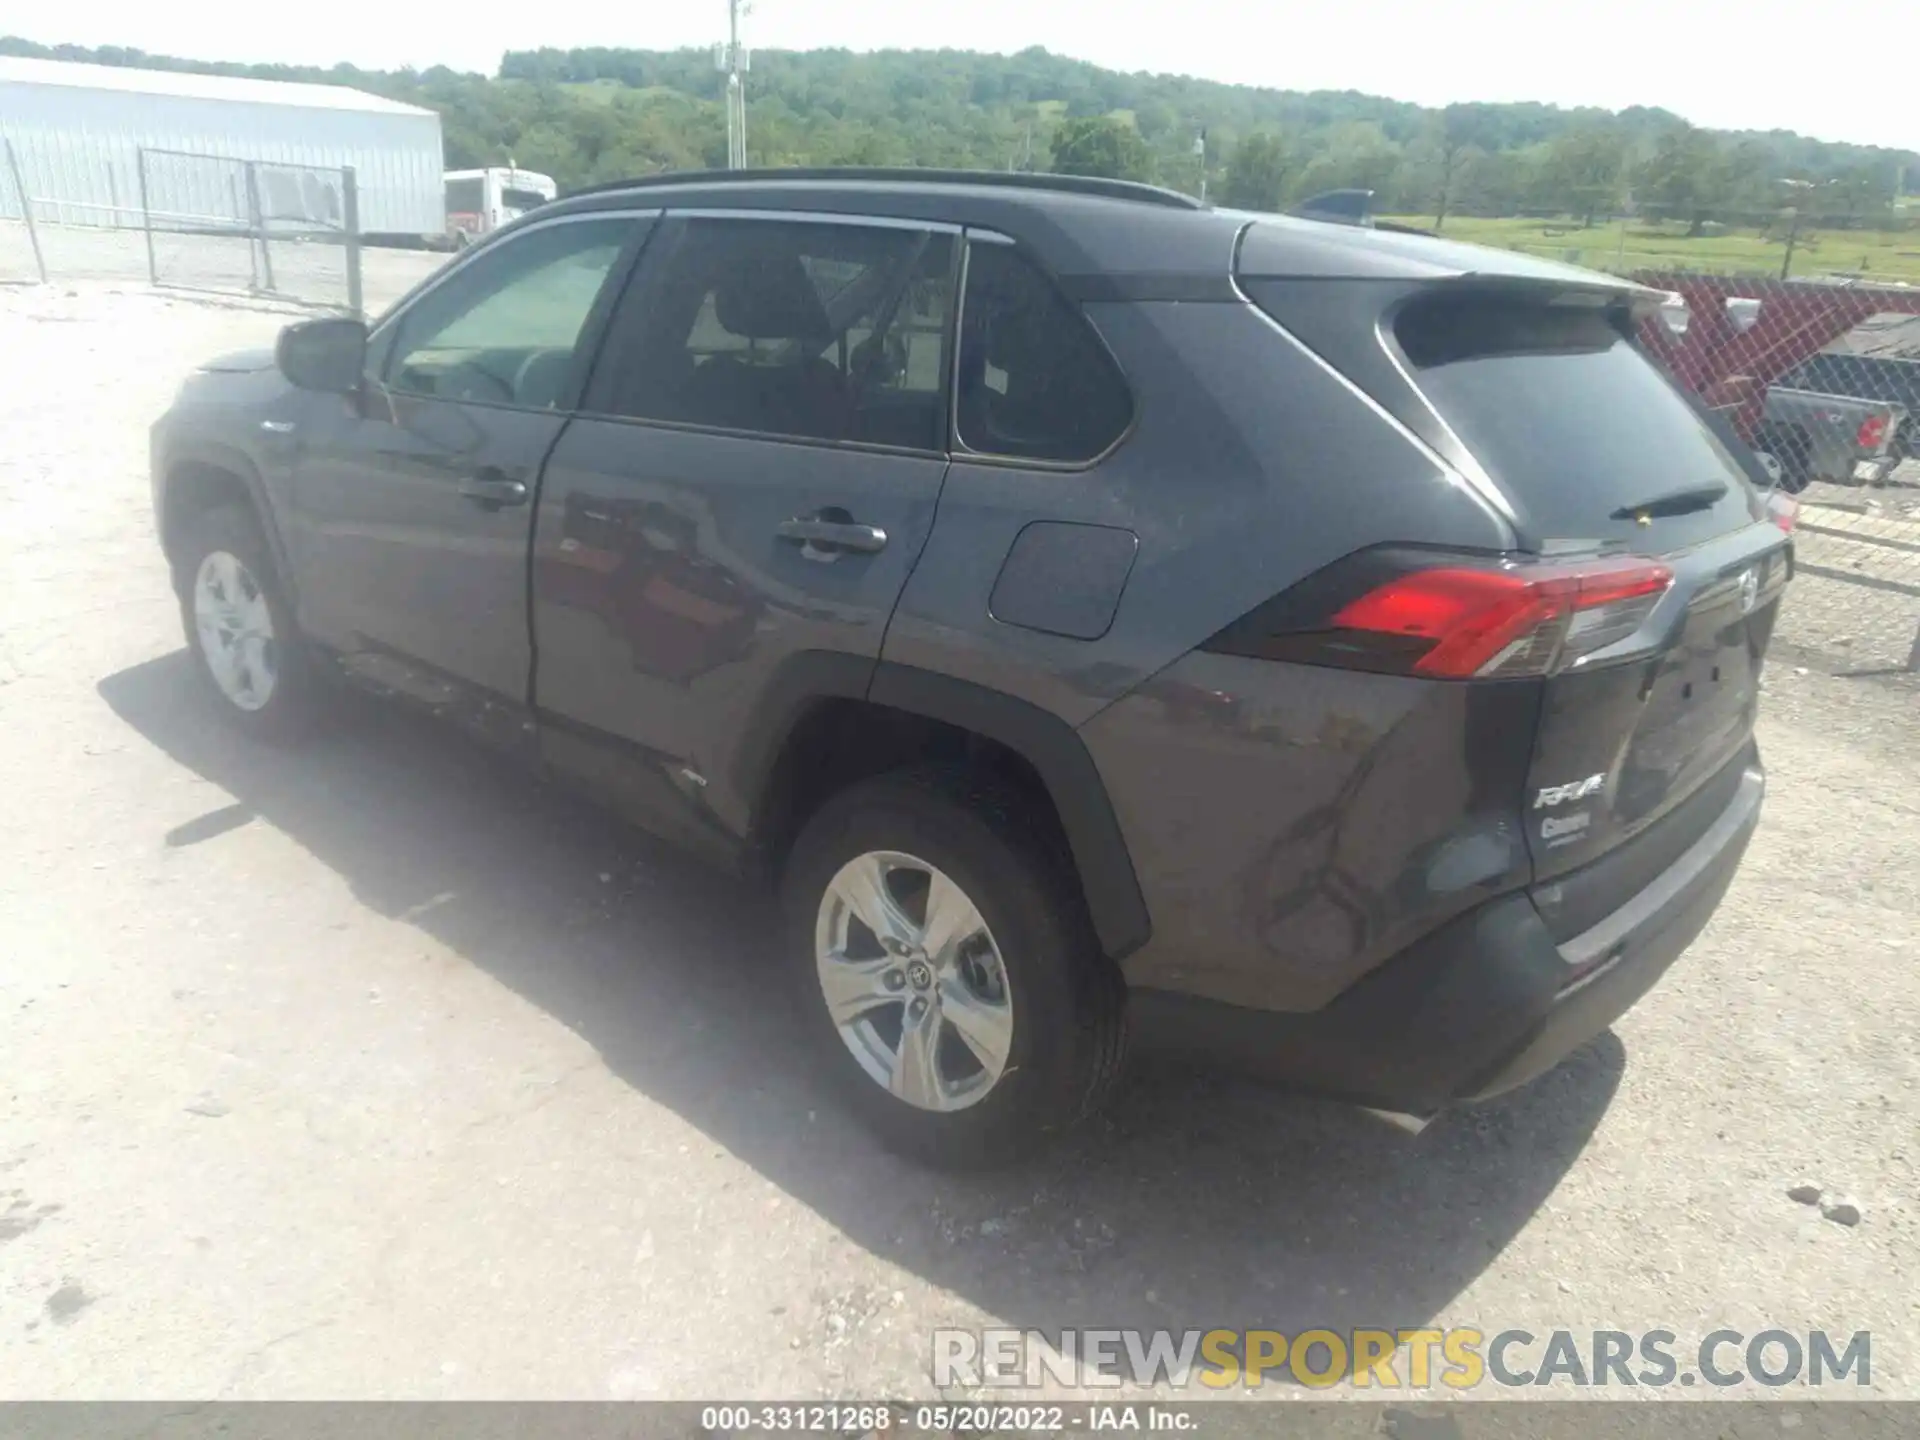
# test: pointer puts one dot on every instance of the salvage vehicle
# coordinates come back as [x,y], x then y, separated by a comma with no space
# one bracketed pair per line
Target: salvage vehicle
[1321,650]
[1815,435]
[1892,378]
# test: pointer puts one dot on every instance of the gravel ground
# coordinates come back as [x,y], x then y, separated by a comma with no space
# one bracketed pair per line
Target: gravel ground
[367,1069]
[1869,621]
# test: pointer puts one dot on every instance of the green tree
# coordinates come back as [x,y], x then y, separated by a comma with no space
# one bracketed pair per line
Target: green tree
[1583,172]
[1103,147]
[1686,177]
[1498,182]
[1352,155]
[1443,154]
[1257,173]
[599,113]
[1861,193]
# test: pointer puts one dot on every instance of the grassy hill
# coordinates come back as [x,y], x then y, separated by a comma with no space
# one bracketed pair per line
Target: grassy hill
[587,115]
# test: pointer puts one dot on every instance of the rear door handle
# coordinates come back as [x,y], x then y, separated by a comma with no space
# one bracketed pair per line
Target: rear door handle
[834,535]
[491,491]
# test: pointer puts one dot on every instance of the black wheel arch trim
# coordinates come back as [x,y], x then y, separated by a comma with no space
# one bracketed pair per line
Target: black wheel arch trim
[1115,903]
[237,463]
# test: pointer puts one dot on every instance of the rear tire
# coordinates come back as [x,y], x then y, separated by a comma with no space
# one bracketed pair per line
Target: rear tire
[240,627]
[1792,453]
[1045,978]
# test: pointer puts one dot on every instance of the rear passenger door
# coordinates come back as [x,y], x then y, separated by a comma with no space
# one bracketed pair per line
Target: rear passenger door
[1039,529]
[746,490]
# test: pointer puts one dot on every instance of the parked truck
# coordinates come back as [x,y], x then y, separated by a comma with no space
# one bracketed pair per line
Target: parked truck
[1754,351]
[1810,435]
[1893,378]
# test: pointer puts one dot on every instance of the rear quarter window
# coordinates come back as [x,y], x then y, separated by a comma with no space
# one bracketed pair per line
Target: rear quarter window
[1035,381]
[1569,417]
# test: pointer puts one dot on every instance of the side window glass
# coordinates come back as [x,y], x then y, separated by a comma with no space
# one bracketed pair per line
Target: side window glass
[1035,382]
[503,330]
[812,331]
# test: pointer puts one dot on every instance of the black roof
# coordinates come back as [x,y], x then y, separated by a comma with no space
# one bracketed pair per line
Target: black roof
[1075,226]
[1010,179]
[1083,228]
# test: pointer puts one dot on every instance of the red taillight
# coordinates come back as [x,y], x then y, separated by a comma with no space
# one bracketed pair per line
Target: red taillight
[1783,510]
[1872,432]
[1519,620]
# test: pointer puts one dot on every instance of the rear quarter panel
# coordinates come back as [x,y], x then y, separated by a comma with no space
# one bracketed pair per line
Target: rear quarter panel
[1293,825]
[1249,466]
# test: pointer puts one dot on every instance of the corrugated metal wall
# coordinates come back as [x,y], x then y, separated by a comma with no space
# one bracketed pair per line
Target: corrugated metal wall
[78,153]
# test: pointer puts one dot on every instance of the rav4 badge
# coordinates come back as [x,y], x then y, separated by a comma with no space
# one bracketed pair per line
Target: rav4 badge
[1572,790]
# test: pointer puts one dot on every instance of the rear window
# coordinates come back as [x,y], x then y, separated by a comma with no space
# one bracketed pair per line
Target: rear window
[1566,415]
[466,197]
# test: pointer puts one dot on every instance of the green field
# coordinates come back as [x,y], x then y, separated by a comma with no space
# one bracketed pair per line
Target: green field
[1624,245]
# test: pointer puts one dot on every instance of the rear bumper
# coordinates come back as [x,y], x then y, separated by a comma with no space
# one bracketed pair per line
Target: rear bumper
[1486,1003]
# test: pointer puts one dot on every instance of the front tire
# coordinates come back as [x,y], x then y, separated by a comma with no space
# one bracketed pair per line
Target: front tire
[239,626]
[948,973]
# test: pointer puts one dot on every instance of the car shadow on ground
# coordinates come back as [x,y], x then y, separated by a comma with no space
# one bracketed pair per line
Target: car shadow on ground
[1196,1202]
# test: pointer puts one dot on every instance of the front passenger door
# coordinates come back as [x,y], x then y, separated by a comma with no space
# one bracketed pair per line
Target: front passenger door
[412,503]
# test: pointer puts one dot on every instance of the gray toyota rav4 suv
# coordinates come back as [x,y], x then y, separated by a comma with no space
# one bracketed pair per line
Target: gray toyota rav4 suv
[1327,651]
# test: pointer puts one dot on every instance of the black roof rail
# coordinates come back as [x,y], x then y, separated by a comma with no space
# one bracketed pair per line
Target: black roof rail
[1002,179]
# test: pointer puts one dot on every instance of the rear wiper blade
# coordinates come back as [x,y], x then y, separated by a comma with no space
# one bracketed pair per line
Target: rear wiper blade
[1674,502]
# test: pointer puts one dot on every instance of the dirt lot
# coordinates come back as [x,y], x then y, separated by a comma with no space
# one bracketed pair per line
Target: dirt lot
[366,1069]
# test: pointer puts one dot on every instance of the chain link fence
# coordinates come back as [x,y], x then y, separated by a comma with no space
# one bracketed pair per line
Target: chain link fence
[209,223]
[1822,377]
[252,227]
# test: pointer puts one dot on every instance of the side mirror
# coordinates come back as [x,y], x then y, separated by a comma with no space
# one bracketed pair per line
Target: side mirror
[328,355]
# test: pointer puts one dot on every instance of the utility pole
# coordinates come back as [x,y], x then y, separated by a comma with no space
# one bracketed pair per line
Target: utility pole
[1200,150]
[732,60]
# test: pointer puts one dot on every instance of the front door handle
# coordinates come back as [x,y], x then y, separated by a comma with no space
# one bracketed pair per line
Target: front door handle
[825,534]
[492,490]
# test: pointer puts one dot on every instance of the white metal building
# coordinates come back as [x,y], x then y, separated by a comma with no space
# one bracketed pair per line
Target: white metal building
[77,132]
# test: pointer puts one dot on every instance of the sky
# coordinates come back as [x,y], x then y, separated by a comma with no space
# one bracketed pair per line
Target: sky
[1832,70]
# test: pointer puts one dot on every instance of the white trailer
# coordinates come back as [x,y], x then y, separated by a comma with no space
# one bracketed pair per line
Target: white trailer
[78,133]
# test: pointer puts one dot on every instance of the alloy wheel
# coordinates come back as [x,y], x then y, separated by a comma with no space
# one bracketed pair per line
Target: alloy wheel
[235,627]
[914,981]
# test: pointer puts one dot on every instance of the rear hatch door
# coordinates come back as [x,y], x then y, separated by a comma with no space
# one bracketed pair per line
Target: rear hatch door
[1597,450]
[1527,378]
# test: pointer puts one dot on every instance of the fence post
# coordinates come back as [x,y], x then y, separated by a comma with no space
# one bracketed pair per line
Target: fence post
[256,223]
[146,216]
[350,217]
[26,213]
[240,214]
